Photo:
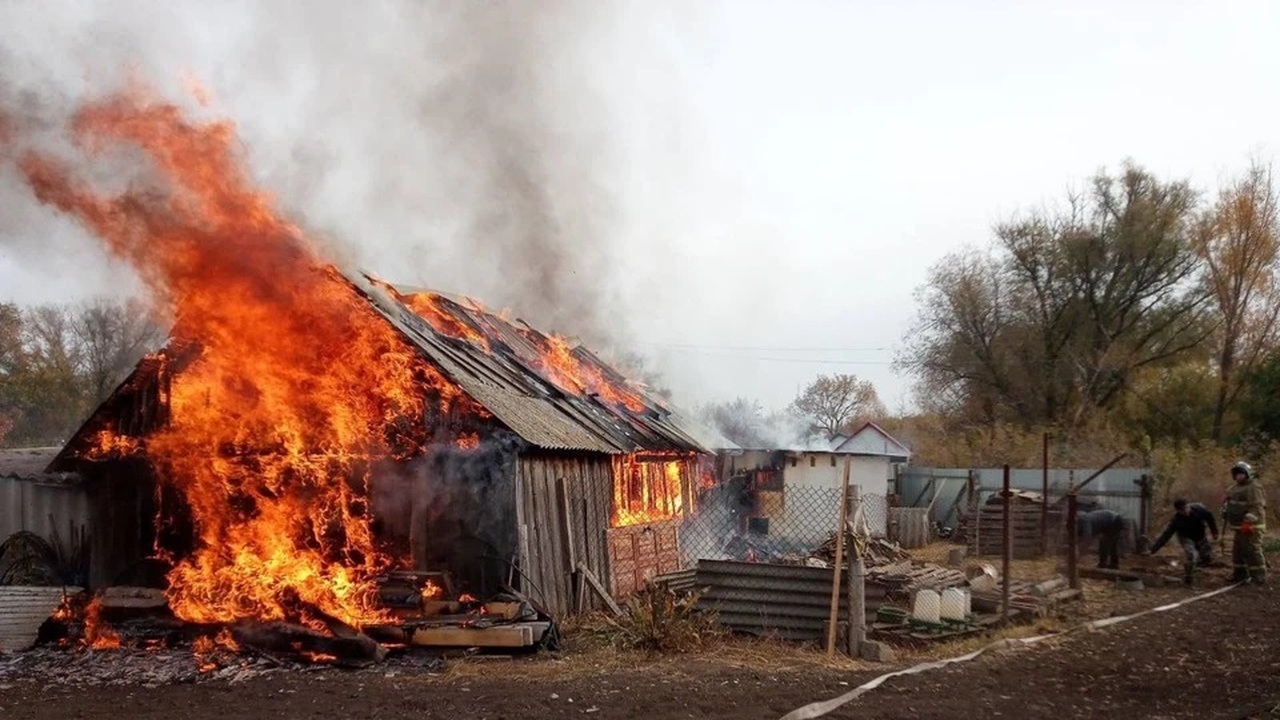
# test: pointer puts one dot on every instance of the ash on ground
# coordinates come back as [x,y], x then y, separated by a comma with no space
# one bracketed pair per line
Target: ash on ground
[84,667]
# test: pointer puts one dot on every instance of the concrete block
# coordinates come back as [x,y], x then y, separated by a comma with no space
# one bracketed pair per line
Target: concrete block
[874,651]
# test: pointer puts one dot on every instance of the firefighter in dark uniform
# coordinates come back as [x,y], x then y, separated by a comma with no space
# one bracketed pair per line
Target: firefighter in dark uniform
[1196,529]
[1245,513]
[1110,528]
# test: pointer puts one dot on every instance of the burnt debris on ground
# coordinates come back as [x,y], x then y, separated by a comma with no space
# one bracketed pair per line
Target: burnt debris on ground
[127,635]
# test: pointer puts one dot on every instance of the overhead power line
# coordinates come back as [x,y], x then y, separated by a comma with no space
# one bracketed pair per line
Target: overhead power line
[763,348]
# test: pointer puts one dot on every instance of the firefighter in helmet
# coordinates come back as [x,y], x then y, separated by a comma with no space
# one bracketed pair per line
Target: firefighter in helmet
[1245,512]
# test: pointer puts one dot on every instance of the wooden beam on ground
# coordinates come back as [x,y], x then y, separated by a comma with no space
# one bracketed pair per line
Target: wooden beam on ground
[1150,579]
[1064,595]
[1049,587]
[500,636]
[303,643]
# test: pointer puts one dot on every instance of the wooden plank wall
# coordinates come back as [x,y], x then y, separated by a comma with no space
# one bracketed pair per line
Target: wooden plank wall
[563,504]
[984,530]
[640,553]
[121,521]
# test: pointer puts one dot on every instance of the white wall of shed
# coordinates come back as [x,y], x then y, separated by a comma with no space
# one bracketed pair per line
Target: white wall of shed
[40,507]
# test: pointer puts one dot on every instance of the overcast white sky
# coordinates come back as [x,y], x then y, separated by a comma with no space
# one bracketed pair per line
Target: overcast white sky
[768,181]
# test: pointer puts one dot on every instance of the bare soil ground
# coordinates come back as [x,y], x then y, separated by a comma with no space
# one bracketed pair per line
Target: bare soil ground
[1218,658]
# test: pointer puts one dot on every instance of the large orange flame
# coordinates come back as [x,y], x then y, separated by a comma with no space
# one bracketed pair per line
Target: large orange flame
[429,307]
[296,385]
[551,356]
[97,633]
[648,490]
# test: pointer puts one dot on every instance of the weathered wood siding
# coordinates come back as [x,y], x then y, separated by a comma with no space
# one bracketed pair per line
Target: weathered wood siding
[563,505]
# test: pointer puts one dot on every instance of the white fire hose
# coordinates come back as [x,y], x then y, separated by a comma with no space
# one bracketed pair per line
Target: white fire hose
[818,709]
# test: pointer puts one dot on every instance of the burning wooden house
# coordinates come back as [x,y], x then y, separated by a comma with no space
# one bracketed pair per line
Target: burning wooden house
[532,464]
[319,448]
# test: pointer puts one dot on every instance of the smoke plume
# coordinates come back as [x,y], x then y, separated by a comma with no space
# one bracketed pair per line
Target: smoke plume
[466,147]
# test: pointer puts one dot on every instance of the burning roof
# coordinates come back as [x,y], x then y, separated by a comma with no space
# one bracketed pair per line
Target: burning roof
[552,394]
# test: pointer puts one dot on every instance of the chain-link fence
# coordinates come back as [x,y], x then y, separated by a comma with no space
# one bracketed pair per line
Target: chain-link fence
[788,525]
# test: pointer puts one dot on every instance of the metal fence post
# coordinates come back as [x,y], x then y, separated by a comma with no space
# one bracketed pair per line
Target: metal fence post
[1008,545]
[1073,549]
[1044,498]
[977,513]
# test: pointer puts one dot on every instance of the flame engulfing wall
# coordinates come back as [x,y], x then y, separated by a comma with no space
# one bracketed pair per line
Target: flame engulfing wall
[290,379]
[287,389]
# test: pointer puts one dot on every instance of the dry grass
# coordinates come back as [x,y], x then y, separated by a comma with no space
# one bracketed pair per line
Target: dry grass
[1033,570]
[586,657]
[593,648]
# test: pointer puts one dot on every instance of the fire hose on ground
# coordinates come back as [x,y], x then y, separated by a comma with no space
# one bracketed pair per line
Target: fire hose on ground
[818,709]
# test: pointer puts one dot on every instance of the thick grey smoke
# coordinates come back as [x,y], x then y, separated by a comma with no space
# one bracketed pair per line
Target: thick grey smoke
[470,147]
[454,508]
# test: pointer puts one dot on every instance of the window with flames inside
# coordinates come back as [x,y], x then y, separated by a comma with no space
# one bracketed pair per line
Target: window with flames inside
[650,489]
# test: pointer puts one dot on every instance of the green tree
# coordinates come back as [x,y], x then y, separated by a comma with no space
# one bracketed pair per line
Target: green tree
[1052,324]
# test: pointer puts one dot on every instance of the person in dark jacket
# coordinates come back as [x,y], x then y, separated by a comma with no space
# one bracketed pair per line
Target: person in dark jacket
[1110,528]
[1196,529]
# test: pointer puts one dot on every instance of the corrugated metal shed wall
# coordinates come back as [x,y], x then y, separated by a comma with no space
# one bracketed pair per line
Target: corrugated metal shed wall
[1114,489]
[23,610]
[28,504]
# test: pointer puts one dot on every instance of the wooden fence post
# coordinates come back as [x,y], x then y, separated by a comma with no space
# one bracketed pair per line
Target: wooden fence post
[834,616]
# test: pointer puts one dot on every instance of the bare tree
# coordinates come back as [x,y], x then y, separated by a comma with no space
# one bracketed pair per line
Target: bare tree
[58,362]
[742,421]
[834,402]
[1239,242]
[12,364]
[1057,320]
[112,338]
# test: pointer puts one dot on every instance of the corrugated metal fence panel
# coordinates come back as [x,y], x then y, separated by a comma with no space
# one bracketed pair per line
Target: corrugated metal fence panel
[910,526]
[792,602]
[32,505]
[23,609]
[1115,489]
